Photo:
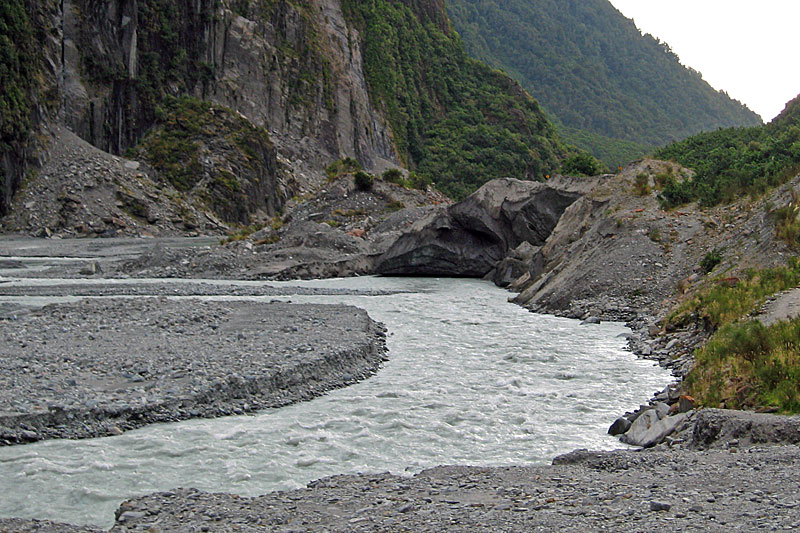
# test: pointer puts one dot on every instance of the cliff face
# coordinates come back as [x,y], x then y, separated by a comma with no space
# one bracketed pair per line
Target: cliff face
[387,83]
[293,68]
[107,69]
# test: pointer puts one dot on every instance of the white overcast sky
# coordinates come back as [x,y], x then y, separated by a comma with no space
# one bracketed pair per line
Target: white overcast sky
[748,48]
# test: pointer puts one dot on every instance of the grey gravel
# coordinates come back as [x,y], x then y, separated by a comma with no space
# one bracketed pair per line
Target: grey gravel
[100,367]
[583,491]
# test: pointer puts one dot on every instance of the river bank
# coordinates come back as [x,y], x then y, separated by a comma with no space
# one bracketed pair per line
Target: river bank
[737,487]
[718,490]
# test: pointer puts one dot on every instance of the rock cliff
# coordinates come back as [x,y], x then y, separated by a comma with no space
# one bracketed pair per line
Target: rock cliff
[292,70]
[472,237]
[387,85]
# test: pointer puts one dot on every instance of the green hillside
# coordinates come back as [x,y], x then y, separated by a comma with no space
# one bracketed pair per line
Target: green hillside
[735,161]
[615,91]
[454,119]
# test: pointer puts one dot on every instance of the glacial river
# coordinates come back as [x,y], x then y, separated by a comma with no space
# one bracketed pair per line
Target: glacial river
[471,379]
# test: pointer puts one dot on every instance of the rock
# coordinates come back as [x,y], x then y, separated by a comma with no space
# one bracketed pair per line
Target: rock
[591,320]
[620,426]
[685,404]
[714,428]
[470,238]
[649,430]
[659,506]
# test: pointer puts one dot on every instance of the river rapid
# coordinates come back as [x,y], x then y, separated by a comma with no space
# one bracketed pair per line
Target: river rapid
[471,379]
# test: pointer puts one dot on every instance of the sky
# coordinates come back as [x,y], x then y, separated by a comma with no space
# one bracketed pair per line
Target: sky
[748,48]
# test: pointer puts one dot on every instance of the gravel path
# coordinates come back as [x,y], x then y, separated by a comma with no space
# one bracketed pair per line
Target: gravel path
[100,367]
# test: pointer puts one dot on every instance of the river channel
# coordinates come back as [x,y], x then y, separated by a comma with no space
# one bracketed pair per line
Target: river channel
[471,379]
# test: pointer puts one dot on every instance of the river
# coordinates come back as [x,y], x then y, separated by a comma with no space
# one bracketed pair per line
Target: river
[471,379]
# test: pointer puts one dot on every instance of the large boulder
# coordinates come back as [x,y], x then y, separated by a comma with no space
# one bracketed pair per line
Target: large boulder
[470,238]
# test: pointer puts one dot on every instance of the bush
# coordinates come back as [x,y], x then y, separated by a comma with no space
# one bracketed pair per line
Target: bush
[393,175]
[641,187]
[363,181]
[711,259]
[339,168]
[581,164]
[418,180]
[747,365]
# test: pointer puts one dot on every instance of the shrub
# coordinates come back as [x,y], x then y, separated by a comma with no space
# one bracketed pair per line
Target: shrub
[641,187]
[341,167]
[580,164]
[711,259]
[747,365]
[393,175]
[419,181]
[363,181]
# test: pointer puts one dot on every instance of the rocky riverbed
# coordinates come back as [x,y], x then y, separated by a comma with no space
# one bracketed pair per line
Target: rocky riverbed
[100,367]
[716,490]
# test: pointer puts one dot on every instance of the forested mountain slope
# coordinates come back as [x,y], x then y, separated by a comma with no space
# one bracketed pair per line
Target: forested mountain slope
[613,90]
[454,119]
[732,162]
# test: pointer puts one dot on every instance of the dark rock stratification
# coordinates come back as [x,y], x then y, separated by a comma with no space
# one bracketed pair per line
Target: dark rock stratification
[470,238]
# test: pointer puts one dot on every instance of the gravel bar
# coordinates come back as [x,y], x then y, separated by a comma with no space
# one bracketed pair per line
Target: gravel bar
[101,367]
[666,490]
[121,288]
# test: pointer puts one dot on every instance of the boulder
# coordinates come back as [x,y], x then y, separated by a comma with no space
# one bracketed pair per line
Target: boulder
[470,238]
[650,429]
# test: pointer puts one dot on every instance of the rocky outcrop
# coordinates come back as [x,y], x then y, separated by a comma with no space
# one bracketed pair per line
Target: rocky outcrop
[617,253]
[472,237]
[721,428]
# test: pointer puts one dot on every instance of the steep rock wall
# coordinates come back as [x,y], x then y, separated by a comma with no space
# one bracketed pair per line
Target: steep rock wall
[290,67]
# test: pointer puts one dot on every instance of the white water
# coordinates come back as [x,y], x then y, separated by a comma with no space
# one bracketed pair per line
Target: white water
[472,380]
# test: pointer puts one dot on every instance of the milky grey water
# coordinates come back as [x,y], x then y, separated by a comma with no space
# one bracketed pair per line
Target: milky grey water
[471,379]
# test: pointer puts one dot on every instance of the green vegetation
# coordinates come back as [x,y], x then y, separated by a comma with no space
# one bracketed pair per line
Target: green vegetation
[733,162]
[393,175]
[20,88]
[395,205]
[745,365]
[581,164]
[455,121]
[342,167]
[787,225]
[729,299]
[641,186]
[610,89]
[18,65]
[711,260]
[189,133]
[363,181]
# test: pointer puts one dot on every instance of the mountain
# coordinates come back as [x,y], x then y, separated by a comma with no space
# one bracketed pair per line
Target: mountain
[732,162]
[610,89]
[385,82]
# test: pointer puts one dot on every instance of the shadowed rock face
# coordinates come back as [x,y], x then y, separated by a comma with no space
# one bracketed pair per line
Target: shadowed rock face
[470,238]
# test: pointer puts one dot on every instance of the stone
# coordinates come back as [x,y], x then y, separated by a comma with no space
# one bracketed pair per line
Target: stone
[470,238]
[620,426]
[649,430]
[659,506]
